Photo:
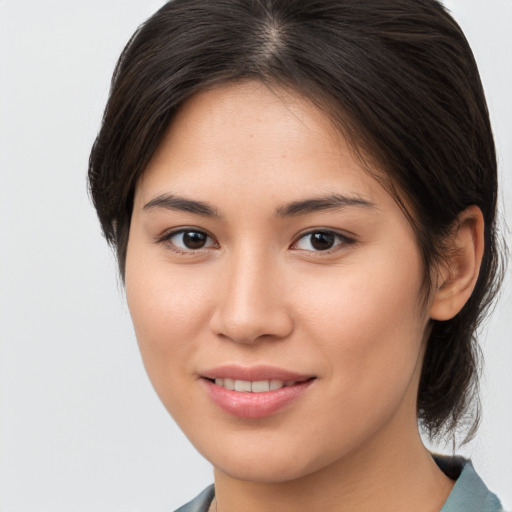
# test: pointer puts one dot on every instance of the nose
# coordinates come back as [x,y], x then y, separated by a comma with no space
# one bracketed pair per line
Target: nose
[251,304]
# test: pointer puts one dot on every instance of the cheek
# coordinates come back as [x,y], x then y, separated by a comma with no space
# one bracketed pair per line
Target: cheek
[168,310]
[369,328]
[370,324]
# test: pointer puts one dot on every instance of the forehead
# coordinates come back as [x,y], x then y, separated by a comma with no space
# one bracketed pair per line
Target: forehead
[247,133]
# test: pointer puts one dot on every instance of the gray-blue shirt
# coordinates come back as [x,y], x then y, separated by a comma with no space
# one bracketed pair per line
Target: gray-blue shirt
[469,493]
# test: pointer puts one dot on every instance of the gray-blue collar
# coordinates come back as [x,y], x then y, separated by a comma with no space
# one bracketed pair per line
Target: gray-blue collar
[469,493]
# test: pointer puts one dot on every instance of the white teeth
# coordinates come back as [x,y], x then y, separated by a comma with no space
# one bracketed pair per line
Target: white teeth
[258,386]
[229,383]
[276,384]
[243,385]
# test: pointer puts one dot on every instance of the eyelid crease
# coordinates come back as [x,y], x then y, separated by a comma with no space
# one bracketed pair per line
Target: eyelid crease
[166,236]
[165,239]
[346,235]
[344,240]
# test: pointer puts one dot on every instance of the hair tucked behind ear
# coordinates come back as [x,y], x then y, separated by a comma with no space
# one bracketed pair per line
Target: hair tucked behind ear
[396,76]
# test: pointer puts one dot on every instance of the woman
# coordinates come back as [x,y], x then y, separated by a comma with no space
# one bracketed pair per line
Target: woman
[302,197]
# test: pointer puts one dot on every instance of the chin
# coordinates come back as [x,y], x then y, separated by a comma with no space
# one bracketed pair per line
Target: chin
[266,464]
[267,471]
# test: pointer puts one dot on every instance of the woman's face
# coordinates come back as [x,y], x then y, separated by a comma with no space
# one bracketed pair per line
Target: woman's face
[262,255]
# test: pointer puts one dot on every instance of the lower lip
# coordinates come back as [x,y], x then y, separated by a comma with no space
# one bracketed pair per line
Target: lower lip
[254,405]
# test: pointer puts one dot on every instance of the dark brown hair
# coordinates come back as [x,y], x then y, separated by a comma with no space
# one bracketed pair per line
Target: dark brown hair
[396,76]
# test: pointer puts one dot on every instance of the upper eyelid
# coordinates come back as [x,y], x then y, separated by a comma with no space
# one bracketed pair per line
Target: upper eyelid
[170,233]
[311,231]
[344,239]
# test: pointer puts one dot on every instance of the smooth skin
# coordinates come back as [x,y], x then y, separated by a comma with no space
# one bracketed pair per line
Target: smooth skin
[228,262]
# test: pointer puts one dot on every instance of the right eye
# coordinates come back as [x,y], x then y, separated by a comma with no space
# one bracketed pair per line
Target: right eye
[189,240]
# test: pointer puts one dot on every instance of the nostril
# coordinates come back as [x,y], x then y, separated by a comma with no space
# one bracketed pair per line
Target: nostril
[247,325]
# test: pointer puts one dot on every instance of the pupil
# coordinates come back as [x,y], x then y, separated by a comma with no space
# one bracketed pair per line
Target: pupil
[194,240]
[322,241]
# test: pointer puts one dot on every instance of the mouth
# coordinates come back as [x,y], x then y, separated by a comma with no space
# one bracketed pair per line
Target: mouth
[257,386]
[255,392]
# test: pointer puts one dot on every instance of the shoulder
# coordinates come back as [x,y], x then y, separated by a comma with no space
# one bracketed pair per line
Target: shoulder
[200,503]
[469,493]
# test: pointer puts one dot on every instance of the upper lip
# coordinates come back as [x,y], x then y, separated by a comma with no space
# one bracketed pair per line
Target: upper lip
[253,373]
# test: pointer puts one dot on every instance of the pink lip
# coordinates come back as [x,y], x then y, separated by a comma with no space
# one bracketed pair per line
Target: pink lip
[254,405]
[253,373]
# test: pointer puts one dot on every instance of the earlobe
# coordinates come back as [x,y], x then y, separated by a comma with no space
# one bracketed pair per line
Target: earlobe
[458,273]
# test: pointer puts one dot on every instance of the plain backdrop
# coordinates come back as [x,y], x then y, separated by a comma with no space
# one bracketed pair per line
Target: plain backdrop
[80,426]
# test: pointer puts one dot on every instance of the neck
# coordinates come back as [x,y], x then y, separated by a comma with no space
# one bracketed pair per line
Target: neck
[388,474]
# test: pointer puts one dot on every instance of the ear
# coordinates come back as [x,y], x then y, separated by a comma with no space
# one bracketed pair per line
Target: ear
[458,273]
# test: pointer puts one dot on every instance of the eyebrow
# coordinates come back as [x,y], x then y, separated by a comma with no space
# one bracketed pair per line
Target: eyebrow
[172,202]
[329,202]
[305,206]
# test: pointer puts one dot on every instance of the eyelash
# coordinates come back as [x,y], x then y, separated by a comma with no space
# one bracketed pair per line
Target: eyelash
[167,240]
[341,240]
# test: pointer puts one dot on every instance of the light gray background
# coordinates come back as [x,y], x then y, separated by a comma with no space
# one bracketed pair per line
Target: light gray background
[80,426]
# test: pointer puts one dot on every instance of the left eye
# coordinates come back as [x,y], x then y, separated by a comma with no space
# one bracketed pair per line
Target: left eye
[319,241]
[190,240]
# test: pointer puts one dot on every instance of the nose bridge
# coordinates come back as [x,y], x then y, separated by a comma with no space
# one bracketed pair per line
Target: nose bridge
[251,304]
